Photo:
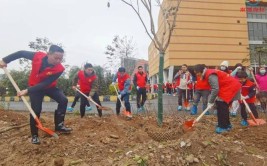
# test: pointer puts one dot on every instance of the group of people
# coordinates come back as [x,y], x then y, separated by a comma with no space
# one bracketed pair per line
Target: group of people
[47,68]
[222,88]
[218,87]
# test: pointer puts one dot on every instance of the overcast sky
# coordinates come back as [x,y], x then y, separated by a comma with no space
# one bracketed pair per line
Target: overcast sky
[84,27]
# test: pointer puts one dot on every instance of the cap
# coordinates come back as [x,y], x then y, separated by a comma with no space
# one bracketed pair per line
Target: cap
[225,63]
[121,69]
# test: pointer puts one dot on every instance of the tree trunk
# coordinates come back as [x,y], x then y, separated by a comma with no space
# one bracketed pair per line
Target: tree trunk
[160,102]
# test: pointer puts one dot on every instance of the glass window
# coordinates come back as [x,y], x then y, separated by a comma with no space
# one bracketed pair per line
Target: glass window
[250,26]
[251,35]
[254,26]
[249,15]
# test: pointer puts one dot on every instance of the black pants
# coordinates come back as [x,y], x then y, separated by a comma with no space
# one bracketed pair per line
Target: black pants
[36,99]
[169,90]
[252,108]
[85,102]
[182,94]
[124,98]
[223,114]
[141,92]
[77,97]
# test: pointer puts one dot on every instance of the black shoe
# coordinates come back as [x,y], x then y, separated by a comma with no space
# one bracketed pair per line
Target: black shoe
[35,140]
[63,129]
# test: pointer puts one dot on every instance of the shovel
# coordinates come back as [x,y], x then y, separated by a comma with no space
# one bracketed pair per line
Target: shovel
[253,121]
[89,98]
[38,123]
[189,124]
[122,104]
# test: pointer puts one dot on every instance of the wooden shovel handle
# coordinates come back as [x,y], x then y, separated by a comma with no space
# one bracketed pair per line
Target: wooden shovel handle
[18,90]
[249,111]
[122,104]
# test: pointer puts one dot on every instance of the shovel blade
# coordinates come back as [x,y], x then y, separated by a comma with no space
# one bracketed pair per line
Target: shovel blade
[188,124]
[258,122]
[47,130]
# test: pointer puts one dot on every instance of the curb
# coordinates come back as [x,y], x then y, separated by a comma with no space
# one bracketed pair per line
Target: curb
[104,98]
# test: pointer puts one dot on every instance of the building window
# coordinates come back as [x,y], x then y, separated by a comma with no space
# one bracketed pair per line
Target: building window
[257,31]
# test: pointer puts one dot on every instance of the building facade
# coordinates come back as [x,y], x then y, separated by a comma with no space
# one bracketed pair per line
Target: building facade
[209,32]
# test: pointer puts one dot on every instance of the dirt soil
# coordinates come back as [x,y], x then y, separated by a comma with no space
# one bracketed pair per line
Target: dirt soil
[113,140]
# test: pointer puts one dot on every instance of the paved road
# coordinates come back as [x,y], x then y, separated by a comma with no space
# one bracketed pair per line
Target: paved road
[169,104]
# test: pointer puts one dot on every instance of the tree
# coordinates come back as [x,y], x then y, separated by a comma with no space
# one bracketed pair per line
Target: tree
[120,48]
[40,44]
[21,78]
[257,54]
[104,80]
[161,38]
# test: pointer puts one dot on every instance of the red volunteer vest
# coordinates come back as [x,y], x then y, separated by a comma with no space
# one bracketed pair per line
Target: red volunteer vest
[36,76]
[85,81]
[202,84]
[228,86]
[121,81]
[141,79]
[245,91]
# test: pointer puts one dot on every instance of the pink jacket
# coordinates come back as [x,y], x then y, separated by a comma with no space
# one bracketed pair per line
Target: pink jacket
[262,81]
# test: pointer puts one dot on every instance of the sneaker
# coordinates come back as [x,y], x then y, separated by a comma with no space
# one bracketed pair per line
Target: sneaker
[207,113]
[244,123]
[143,108]
[35,140]
[194,110]
[88,108]
[179,108]
[70,109]
[140,109]
[229,127]
[62,128]
[233,114]
[220,130]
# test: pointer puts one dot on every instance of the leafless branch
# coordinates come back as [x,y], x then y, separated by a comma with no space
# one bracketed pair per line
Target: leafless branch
[172,26]
[156,44]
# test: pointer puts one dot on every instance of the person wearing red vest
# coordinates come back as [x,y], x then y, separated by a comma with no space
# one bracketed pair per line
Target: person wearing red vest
[140,81]
[248,93]
[155,87]
[183,79]
[87,79]
[202,89]
[46,69]
[224,89]
[124,83]
[76,98]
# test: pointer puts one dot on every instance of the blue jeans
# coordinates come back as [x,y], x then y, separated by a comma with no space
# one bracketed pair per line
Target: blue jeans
[204,94]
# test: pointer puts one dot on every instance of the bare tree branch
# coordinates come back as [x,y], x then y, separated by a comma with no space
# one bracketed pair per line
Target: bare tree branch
[173,24]
[140,18]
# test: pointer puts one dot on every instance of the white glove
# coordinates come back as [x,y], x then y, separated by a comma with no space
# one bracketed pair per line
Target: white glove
[239,67]
[119,96]
[113,83]
[244,97]
[210,105]
[137,87]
